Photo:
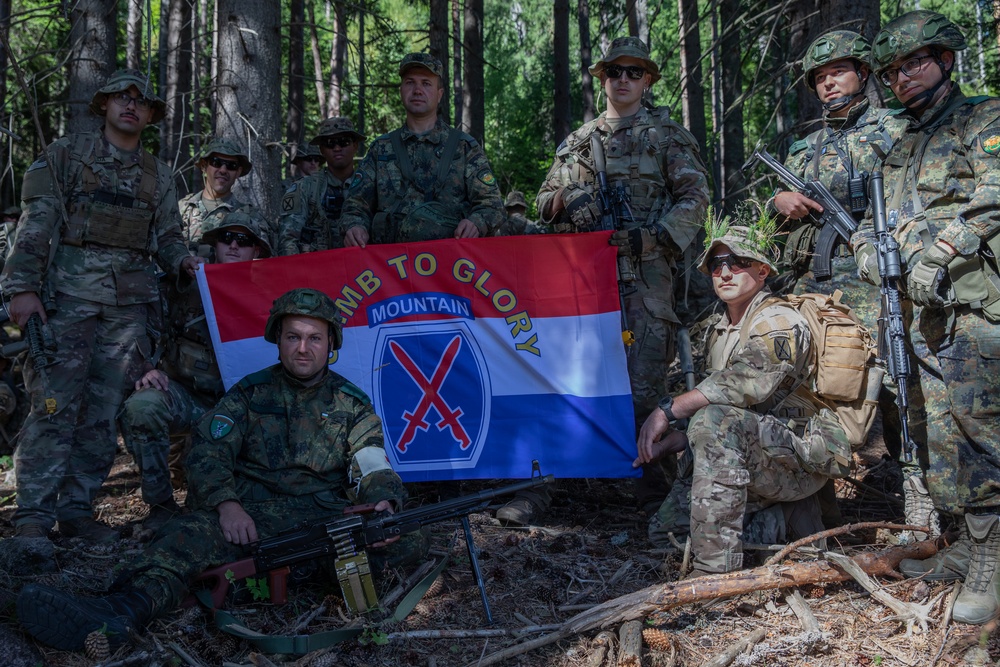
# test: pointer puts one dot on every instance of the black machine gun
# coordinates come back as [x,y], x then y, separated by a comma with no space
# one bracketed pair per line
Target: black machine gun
[891,326]
[345,539]
[834,222]
[614,207]
[37,339]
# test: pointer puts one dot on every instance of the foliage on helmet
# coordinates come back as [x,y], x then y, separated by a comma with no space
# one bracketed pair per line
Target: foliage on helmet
[914,30]
[752,234]
[309,303]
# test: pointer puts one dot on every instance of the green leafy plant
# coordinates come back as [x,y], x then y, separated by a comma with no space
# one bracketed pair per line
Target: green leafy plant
[258,588]
[373,636]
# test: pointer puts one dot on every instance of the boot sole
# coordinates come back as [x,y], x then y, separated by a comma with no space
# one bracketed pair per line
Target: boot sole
[54,620]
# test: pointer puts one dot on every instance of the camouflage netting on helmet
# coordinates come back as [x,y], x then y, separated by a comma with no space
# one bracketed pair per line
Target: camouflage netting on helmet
[914,30]
[307,302]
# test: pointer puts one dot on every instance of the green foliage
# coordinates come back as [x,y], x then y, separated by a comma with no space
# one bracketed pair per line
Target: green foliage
[259,590]
[373,636]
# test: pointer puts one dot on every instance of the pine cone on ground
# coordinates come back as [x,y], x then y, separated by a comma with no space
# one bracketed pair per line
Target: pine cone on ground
[657,639]
[96,646]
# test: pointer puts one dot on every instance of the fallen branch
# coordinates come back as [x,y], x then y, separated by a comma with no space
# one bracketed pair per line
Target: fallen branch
[660,597]
[905,611]
[478,633]
[839,530]
[733,650]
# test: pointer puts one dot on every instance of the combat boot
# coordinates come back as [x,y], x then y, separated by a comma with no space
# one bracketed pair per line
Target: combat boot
[90,529]
[979,601]
[918,509]
[948,564]
[517,512]
[31,531]
[63,621]
[159,514]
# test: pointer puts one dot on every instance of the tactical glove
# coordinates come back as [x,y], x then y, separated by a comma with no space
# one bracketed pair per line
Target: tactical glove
[867,258]
[634,242]
[924,283]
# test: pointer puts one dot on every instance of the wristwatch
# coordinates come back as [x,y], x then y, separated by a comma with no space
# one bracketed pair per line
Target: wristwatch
[667,405]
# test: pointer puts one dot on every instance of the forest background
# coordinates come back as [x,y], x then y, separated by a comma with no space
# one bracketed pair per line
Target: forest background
[268,72]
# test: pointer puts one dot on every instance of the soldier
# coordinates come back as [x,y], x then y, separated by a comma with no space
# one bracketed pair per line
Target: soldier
[943,179]
[307,161]
[516,222]
[222,161]
[841,155]
[169,399]
[424,180]
[91,277]
[291,444]
[654,163]
[310,218]
[753,443]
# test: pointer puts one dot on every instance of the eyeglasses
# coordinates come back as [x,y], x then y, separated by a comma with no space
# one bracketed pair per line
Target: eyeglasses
[219,163]
[634,72]
[242,240]
[734,262]
[312,158]
[336,142]
[122,99]
[909,68]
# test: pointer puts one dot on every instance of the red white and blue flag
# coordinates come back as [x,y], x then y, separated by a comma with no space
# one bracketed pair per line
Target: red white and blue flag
[479,356]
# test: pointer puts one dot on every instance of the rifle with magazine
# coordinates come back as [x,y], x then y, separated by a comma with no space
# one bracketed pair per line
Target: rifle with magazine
[346,537]
[613,204]
[835,222]
[891,326]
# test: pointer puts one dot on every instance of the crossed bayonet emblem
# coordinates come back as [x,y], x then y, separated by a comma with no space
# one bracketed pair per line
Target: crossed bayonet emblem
[431,396]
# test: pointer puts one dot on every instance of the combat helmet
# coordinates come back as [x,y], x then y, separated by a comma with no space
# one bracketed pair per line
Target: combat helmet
[835,45]
[223,146]
[515,198]
[252,223]
[914,30]
[307,302]
[119,82]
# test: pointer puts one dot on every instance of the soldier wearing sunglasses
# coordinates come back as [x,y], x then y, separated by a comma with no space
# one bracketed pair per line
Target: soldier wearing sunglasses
[656,167]
[221,162]
[310,209]
[174,393]
[100,213]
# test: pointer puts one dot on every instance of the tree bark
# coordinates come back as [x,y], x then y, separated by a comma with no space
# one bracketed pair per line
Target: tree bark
[560,79]
[731,89]
[586,60]
[456,58]
[249,62]
[362,74]
[177,85]
[638,19]
[692,89]
[133,35]
[338,61]
[323,111]
[7,185]
[93,44]
[438,38]
[474,102]
[296,71]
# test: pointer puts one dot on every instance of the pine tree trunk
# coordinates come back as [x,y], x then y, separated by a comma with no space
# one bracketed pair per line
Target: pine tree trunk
[324,111]
[692,89]
[438,38]
[456,58]
[175,128]
[732,110]
[294,129]
[338,61]
[93,44]
[474,103]
[133,35]
[560,79]
[586,59]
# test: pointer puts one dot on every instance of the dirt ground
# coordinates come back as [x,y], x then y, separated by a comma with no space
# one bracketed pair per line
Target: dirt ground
[591,547]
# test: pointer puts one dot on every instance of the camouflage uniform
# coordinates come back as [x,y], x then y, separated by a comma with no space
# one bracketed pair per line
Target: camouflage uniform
[311,207]
[516,223]
[943,177]
[153,420]
[764,438]
[658,163]
[102,280]
[7,232]
[302,151]
[289,454]
[199,213]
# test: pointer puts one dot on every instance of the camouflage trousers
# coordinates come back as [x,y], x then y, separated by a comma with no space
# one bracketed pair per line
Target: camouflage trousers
[741,457]
[189,544]
[63,458]
[152,420]
[959,357]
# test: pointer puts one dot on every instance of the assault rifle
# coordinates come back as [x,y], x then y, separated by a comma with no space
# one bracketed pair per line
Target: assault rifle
[891,327]
[834,222]
[345,539]
[37,340]
[613,203]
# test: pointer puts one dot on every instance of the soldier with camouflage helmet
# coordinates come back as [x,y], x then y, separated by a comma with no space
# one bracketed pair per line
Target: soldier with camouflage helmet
[291,444]
[750,444]
[311,208]
[657,165]
[307,160]
[516,223]
[173,394]
[222,162]
[425,180]
[99,214]
[942,180]
[841,155]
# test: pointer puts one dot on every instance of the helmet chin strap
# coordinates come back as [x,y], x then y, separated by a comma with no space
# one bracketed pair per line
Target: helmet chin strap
[920,101]
[839,103]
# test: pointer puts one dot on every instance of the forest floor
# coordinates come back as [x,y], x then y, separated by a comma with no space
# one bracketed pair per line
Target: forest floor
[591,547]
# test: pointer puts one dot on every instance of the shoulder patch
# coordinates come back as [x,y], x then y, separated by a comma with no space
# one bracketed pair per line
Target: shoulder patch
[221,426]
[288,202]
[487,177]
[354,391]
[990,141]
[798,147]
[358,177]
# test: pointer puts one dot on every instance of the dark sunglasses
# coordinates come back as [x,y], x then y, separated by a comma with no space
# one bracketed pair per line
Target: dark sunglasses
[312,158]
[336,142]
[219,163]
[242,240]
[634,72]
[734,262]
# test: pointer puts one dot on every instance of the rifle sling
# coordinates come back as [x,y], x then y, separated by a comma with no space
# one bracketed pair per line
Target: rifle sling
[444,163]
[302,644]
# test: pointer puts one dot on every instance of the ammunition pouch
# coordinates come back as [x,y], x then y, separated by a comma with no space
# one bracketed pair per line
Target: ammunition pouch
[102,218]
[427,222]
[799,247]
[195,365]
[975,280]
